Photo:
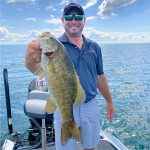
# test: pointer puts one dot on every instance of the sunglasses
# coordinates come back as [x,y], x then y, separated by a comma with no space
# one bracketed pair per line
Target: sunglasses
[75,16]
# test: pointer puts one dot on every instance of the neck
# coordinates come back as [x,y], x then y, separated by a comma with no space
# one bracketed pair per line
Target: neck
[78,41]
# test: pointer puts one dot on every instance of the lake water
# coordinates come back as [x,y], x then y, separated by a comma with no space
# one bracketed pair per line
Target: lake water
[127,67]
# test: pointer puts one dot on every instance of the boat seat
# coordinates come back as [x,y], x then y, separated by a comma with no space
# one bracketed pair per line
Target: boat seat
[34,107]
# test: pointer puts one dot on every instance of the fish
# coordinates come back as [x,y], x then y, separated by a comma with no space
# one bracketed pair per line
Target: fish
[63,84]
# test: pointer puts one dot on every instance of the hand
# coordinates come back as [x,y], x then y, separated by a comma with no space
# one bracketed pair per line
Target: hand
[110,111]
[33,55]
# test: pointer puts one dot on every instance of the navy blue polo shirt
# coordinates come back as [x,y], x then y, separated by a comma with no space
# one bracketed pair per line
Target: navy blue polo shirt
[87,62]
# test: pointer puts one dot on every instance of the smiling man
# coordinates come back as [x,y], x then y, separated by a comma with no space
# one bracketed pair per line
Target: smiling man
[87,59]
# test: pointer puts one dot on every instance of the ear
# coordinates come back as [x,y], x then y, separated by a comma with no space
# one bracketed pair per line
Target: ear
[84,19]
[62,20]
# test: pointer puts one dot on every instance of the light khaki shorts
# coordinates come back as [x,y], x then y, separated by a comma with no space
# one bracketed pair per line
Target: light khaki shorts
[87,118]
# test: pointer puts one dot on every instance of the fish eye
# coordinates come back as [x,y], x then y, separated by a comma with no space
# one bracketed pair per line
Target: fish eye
[50,37]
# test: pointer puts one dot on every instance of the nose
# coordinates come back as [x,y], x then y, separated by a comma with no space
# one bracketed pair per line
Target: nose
[73,20]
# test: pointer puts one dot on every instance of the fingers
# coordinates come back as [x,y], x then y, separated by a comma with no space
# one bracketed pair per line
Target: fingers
[33,55]
[109,116]
[110,112]
[34,50]
[34,46]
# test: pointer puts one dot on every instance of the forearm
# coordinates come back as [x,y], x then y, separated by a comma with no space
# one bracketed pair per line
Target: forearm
[104,89]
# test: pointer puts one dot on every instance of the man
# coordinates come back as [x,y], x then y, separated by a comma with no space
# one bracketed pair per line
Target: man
[87,59]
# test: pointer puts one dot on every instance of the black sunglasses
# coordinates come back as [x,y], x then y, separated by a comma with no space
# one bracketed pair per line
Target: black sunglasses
[75,16]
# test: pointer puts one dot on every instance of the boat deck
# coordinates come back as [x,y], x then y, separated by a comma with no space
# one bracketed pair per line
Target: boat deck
[103,145]
[106,142]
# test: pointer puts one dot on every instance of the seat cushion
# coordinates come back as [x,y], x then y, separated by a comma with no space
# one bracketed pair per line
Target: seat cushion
[35,105]
[35,108]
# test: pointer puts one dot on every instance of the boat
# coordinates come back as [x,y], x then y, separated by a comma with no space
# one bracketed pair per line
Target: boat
[41,134]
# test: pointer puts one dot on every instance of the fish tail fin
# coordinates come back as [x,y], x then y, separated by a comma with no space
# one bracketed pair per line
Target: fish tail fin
[70,131]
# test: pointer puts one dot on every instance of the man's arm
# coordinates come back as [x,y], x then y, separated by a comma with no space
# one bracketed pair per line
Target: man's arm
[33,56]
[104,90]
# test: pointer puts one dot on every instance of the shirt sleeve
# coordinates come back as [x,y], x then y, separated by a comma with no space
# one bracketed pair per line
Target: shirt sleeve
[99,63]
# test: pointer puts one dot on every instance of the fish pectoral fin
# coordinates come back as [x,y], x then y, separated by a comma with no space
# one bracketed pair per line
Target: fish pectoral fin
[70,131]
[50,107]
[39,72]
[80,98]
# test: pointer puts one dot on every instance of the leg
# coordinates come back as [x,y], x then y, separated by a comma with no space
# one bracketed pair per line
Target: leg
[71,144]
[90,126]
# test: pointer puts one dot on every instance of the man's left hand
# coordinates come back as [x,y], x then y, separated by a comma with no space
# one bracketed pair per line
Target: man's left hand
[110,111]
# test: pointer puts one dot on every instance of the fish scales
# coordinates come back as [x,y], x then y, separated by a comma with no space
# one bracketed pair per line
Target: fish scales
[63,84]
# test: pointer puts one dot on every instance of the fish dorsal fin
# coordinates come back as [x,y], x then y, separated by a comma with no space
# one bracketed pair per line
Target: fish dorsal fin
[80,98]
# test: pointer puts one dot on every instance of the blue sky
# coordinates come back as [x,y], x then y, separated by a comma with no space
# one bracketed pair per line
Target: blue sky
[108,21]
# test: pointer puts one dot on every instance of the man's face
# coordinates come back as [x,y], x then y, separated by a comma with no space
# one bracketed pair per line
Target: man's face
[74,27]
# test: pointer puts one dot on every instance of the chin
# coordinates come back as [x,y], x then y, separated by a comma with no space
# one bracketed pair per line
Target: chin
[75,34]
[71,31]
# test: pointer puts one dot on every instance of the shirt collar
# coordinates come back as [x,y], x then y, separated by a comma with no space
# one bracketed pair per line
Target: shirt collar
[64,39]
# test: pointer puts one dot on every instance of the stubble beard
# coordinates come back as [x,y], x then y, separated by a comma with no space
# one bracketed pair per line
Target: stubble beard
[74,34]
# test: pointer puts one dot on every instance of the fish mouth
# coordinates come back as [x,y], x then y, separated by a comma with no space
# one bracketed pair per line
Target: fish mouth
[49,54]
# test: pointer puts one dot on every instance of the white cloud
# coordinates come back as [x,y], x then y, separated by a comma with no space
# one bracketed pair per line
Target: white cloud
[19,9]
[6,35]
[50,8]
[107,8]
[57,31]
[90,18]
[117,37]
[20,1]
[32,34]
[9,37]
[90,4]
[30,19]
[52,16]
[3,30]
[54,21]
[64,2]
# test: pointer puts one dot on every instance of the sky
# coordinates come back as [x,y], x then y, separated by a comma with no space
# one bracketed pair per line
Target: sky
[107,21]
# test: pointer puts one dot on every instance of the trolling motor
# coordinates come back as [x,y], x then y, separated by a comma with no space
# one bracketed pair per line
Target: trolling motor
[41,130]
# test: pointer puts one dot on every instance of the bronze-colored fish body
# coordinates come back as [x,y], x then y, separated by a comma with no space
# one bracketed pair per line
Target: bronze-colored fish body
[63,84]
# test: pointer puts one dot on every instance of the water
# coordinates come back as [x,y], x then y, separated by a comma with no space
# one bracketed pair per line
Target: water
[127,67]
